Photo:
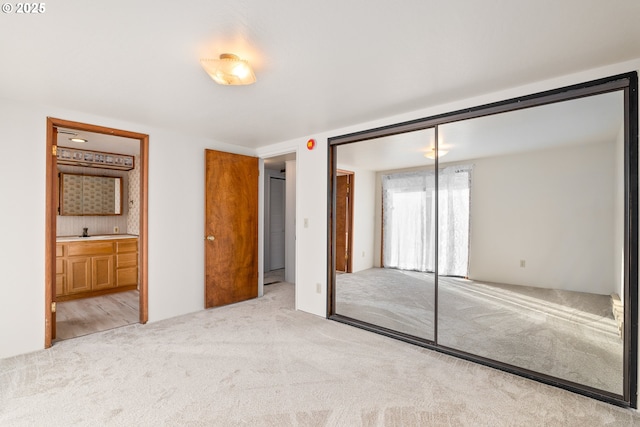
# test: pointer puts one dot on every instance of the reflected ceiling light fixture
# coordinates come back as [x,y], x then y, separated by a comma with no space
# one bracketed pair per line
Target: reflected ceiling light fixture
[76,139]
[229,70]
[435,153]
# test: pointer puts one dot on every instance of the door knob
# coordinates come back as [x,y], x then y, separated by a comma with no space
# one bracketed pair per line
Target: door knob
[211,238]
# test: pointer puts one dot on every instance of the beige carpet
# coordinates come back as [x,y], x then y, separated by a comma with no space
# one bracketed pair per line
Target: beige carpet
[262,363]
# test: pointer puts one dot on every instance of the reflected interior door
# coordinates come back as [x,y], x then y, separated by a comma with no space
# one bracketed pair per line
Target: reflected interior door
[231,228]
[344,213]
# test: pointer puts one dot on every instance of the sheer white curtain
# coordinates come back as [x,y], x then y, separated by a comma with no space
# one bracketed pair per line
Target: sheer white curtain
[454,199]
[409,220]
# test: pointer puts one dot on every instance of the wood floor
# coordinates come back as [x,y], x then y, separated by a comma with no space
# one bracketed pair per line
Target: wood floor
[89,315]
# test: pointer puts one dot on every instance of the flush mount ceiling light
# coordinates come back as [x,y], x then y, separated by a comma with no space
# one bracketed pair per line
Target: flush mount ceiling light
[229,70]
[74,135]
[435,153]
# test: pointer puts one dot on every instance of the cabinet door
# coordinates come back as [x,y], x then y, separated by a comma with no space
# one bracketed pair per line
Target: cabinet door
[127,260]
[60,276]
[129,245]
[102,272]
[78,275]
[59,285]
[127,276]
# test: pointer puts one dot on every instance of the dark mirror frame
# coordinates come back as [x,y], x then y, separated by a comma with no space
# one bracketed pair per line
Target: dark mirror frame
[628,83]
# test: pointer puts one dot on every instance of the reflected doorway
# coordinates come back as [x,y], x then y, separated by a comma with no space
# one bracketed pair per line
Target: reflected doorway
[344,220]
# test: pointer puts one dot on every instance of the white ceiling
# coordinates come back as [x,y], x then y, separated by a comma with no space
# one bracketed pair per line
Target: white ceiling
[583,121]
[320,65]
[98,142]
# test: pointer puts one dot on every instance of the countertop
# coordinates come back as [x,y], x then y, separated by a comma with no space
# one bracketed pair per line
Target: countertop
[96,237]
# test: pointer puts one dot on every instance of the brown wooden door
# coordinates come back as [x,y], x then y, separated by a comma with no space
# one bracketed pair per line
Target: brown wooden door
[231,228]
[344,221]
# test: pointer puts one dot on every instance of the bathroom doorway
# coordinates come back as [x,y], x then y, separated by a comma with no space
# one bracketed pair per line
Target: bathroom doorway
[100,257]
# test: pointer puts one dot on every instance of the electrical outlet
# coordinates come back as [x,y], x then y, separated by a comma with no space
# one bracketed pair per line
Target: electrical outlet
[116,229]
[522,263]
[362,254]
[318,288]
[306,223]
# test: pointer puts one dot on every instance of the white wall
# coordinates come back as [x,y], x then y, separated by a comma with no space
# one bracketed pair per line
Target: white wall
[176,209]
[176,218]
[312,172]
[290,223]
[551,208]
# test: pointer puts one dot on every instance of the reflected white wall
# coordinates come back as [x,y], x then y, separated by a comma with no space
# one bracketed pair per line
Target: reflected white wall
[553,209]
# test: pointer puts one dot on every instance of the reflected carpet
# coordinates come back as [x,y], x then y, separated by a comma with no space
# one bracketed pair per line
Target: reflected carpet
[570,335]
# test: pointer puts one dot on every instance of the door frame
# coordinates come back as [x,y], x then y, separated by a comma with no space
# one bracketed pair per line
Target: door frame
[50,216]
[267,223]
[351,176]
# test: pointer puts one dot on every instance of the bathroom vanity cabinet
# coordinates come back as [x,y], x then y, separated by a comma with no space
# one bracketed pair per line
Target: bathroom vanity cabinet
[87,267]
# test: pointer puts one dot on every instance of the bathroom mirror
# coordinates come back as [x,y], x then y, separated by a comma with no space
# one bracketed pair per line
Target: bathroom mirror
[90,195]
[500,234]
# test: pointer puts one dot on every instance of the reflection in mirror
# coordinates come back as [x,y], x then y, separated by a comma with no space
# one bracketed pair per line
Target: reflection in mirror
[391,281]
[514,250]
[543,238]
[90,195]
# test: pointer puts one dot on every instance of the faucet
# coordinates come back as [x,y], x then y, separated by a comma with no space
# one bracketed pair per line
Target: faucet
[85,232]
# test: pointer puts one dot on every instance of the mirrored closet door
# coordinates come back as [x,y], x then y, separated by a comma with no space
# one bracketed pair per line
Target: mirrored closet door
[501,234]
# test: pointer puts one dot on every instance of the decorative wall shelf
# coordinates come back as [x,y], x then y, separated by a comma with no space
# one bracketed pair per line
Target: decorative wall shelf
[94,159]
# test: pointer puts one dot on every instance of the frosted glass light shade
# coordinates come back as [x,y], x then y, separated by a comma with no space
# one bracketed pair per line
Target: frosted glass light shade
[433,153]
[229,70]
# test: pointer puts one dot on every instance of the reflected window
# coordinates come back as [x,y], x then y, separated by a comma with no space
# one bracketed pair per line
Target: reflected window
[409,220]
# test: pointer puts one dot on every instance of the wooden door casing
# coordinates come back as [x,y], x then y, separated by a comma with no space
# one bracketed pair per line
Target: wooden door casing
[52,279]
[231,228]
[344,221]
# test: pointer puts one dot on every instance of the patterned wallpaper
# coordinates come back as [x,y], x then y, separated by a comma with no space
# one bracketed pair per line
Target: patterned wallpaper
[72,197]
[133,204]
